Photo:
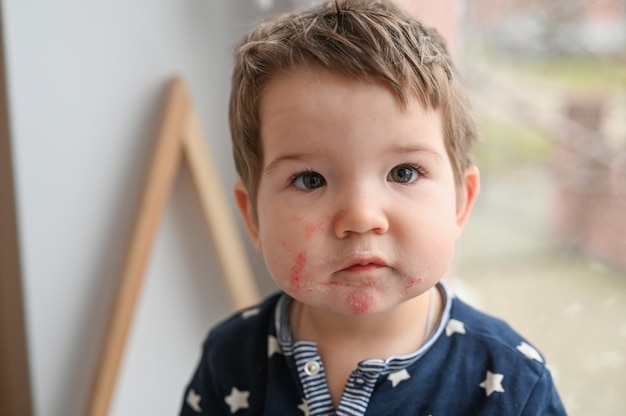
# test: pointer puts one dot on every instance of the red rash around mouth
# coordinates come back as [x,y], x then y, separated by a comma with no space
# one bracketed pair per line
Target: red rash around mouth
[297,272]
[412,281]
[360,302]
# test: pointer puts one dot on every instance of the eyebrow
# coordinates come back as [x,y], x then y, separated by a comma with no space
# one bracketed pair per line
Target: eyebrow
[296,157]
[305,157]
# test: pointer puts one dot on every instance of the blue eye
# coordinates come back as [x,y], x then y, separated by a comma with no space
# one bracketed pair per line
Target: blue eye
[403,174]
[308,180]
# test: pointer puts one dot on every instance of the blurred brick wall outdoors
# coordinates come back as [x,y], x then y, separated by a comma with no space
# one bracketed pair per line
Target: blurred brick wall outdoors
[591,201]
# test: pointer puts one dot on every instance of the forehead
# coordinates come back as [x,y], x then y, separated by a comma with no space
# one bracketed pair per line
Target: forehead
[315,103]
[321,96]
[287,86]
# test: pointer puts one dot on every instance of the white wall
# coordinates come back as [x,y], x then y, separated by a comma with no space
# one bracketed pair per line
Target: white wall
[86,82]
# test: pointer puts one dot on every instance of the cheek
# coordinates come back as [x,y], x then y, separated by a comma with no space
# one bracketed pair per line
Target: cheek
[285,245]
[310,228]
[427,247]
[412,281]
[297,275]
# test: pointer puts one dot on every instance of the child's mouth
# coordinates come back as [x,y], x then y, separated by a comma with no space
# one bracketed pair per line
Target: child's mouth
[360,268]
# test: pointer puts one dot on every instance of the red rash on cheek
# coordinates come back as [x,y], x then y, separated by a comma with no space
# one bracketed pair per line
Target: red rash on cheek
[313,227]
[297,272]
[412,281]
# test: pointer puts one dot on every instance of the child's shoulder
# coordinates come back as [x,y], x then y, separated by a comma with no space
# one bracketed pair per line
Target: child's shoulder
[246,327]
[503,373]
[234,362]
[248,318]
[490,349]
[495,336]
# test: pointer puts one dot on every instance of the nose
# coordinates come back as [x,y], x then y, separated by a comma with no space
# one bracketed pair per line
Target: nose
[359,214]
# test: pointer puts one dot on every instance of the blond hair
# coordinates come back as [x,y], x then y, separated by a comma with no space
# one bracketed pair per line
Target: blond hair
[368,40]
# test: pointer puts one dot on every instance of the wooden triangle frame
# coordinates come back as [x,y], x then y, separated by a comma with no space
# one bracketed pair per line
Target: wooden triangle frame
[180,135]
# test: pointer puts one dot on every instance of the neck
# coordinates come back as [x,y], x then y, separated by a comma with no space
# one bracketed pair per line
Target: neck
[399,331]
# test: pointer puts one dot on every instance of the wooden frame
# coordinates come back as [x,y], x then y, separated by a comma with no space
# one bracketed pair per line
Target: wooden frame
[180,135]
[15,391]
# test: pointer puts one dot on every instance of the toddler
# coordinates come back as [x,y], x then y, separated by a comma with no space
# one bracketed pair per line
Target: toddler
[351,133]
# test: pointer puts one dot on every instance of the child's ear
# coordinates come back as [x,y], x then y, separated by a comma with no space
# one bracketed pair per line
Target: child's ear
[242,197]
[469,191]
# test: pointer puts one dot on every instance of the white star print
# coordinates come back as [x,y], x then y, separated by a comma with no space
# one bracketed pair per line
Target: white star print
[529,352]
[398,377]
[455,326]
[193,400]
[273,347]
[237,400]
[305,408]
[493,382]
[250,312]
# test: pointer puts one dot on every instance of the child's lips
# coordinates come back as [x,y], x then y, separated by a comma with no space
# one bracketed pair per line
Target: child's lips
[364,264]
[359,268]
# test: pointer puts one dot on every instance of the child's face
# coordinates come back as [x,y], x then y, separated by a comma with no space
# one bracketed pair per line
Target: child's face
[357,208]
